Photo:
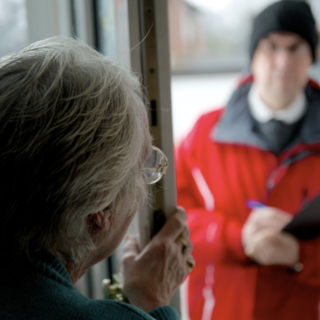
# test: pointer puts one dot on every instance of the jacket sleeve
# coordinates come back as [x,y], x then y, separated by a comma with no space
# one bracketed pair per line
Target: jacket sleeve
[211,231]
[310,249]
[310,258]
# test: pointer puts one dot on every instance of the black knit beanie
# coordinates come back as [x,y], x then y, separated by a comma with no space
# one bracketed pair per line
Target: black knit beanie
[286,16]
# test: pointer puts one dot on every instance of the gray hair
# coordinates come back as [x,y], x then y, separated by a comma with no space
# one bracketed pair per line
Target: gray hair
[72,133]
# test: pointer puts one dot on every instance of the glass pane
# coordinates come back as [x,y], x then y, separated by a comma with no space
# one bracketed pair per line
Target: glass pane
[209,48]
[13,26]
[113,30]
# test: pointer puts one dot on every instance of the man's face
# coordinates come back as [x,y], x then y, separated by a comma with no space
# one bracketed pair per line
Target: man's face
[280,67]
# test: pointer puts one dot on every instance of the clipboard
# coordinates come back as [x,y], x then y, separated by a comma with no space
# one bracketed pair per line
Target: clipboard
[306,224]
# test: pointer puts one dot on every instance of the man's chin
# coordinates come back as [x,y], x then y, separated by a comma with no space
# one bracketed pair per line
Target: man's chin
[283,88]
[284,95]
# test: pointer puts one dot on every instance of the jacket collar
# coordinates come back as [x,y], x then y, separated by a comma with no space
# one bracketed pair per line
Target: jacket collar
[236,123]
[262,113]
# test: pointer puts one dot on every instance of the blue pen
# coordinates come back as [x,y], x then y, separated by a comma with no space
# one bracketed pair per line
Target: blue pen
[254,204]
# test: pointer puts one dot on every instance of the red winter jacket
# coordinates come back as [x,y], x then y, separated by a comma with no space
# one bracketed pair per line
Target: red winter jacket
[220,165]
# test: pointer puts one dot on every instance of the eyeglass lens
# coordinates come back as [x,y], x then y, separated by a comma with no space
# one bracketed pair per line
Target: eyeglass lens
[155,160]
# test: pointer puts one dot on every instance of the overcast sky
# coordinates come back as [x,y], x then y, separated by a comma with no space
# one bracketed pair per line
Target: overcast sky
[222,6]
[211,5]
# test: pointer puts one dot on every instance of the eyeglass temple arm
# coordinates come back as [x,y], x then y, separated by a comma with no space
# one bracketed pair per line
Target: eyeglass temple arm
[162,169]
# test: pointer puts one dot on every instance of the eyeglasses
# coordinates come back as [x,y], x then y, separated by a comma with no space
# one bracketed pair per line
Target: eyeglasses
[155,166]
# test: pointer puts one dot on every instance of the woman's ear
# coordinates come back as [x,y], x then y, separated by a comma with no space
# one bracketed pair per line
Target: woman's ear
[100,221]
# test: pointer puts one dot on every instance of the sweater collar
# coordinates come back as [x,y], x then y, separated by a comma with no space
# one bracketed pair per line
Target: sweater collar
[262,113]
[49,264]
[42,262]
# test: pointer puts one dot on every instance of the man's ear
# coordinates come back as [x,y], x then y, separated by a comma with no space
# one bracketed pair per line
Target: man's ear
[100,221]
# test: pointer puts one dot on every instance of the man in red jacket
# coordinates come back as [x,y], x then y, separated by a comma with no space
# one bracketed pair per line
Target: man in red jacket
[262,150]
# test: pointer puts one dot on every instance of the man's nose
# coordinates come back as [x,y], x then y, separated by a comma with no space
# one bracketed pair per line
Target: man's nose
[283,59]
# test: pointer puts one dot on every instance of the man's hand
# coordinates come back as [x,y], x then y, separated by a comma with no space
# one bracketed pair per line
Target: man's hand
[263,240]
[264,218]
[151,276]
[268,247]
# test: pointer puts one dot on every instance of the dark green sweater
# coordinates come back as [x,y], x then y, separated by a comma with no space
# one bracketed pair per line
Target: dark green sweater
[43,290]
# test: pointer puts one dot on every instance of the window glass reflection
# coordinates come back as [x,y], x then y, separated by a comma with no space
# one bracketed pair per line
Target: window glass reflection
[113,30]
[13,26]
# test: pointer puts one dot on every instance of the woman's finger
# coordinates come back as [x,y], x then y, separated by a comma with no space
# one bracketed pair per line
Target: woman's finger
[173,227]
[190,263]
[185,244]
[130,248]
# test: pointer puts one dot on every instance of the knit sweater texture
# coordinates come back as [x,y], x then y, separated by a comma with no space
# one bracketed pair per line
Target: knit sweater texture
[41,289]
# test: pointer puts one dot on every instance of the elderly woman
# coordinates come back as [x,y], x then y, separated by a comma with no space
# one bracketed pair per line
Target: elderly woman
[74,143]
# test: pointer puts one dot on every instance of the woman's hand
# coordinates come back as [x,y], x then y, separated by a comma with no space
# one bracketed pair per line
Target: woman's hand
[151,276]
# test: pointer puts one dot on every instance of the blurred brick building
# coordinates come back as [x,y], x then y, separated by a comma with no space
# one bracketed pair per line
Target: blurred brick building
[186,36]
